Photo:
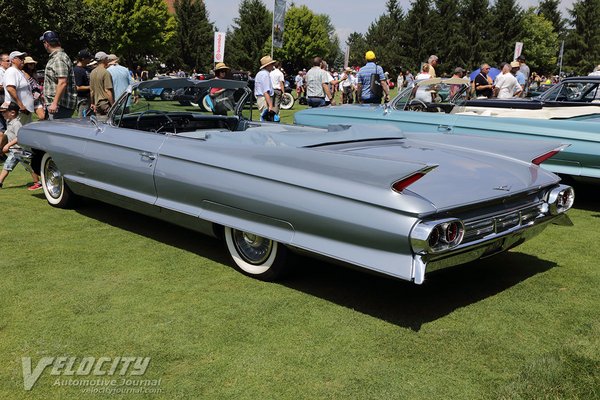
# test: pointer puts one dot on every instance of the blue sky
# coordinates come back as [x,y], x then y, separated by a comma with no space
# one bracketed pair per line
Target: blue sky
[346,15]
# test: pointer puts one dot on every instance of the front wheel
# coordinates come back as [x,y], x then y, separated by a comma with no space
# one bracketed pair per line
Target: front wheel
[56,190]
[287,101]
[256,256]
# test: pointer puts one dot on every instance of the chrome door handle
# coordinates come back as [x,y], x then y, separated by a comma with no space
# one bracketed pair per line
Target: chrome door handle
[444,128]
[145,154]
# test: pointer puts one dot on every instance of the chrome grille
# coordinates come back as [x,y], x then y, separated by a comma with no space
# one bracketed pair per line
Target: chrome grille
[481,227]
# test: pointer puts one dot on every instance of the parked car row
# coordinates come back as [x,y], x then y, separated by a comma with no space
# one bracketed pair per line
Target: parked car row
[581,160]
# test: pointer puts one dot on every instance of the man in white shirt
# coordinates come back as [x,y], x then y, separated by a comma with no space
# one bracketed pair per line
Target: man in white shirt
[506,85]
[4,64]
[277,81]
[263,88]
[16,87]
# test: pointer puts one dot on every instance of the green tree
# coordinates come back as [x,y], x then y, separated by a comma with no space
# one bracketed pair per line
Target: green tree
[448,35]
[549,10]
[137,29]
[474,19]
[384,37]
[416,39]
[582,48]
[194,37]
[78,25]
[305,36]
[251,33]
[358,47]
[541,42]
[506,28]
[334,54]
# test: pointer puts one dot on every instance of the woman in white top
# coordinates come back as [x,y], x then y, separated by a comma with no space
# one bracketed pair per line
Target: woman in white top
[422,93]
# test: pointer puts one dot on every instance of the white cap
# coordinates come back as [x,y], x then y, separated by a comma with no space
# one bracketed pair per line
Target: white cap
[100,56]
[16,54]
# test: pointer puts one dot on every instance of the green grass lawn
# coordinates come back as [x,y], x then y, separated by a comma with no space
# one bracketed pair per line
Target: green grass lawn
[99,281]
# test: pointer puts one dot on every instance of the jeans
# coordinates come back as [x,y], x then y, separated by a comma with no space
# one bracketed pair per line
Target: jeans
[61,113]
[316,102]
[372,100]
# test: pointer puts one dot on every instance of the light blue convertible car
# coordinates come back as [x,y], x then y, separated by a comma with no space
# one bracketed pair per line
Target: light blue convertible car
[581,160]
[376,198]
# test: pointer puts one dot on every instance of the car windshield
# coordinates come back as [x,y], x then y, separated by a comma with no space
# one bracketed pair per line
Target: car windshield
[583,92]
[435,95]
[154,105]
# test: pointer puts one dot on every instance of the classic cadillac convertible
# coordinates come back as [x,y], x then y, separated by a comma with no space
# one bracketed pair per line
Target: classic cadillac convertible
[373,197]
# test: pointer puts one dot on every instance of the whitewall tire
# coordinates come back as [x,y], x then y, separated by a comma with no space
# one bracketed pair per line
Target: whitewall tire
[255,256]
[56,191]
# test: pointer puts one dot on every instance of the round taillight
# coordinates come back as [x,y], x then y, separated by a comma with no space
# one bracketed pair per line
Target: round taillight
[566,198]
[434,237]
[452,232]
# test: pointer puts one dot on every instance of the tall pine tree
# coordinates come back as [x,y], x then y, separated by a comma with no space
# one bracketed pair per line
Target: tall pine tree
[251,31]
[549,10]
[474,49]
[505,29]
[582,50]
[194,34]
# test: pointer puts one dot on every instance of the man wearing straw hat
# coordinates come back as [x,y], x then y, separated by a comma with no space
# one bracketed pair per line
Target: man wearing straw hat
[263,89]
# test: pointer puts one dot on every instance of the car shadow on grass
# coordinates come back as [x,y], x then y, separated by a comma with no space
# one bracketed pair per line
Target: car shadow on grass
[155,229]
[409,305]
[398,302]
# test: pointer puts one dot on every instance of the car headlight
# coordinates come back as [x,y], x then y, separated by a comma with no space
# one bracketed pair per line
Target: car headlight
[561,199]
[437,236]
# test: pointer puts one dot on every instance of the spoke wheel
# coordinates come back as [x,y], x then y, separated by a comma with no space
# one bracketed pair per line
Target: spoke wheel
[255,255]
[287,101]
[56,190]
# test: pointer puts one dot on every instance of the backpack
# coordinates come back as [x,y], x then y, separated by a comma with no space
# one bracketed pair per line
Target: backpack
[376,89]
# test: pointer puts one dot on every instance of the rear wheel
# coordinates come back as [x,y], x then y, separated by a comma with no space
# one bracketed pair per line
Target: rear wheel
[256,256]
[287,101]
[56,190]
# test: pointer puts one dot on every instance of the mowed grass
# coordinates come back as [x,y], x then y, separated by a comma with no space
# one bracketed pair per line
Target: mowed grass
[101,281]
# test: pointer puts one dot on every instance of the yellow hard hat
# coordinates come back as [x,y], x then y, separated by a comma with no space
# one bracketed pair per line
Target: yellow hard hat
[370,56]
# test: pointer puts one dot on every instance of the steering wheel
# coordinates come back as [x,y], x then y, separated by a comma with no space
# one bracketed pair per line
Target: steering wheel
[163,113]
[416,105]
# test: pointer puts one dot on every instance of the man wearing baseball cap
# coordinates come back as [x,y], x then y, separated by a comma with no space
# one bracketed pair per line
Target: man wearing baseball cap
[59,84]
[371,81]
[101,87]
[16,86]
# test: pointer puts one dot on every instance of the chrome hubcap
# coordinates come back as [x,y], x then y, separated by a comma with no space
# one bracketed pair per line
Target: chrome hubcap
[53,179]
[252,248]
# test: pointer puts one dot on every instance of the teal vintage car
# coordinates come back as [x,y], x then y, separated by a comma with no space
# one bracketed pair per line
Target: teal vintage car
[580,160]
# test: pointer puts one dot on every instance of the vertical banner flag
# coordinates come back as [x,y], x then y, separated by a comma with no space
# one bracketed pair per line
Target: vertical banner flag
[347,57]
[278,18]
[219,46]
[518,49]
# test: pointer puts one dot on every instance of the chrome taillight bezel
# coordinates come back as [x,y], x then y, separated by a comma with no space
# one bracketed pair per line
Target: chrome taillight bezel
[437,236]
[561,199]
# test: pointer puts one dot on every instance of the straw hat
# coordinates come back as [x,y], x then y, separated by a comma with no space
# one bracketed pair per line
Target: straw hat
[29,60]
[266,60]
[220,66]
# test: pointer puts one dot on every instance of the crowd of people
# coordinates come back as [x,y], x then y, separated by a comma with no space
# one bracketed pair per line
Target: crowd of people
[90,85]
[94,82]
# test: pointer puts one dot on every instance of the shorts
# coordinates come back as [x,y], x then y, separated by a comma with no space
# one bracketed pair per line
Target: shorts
[11,161]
